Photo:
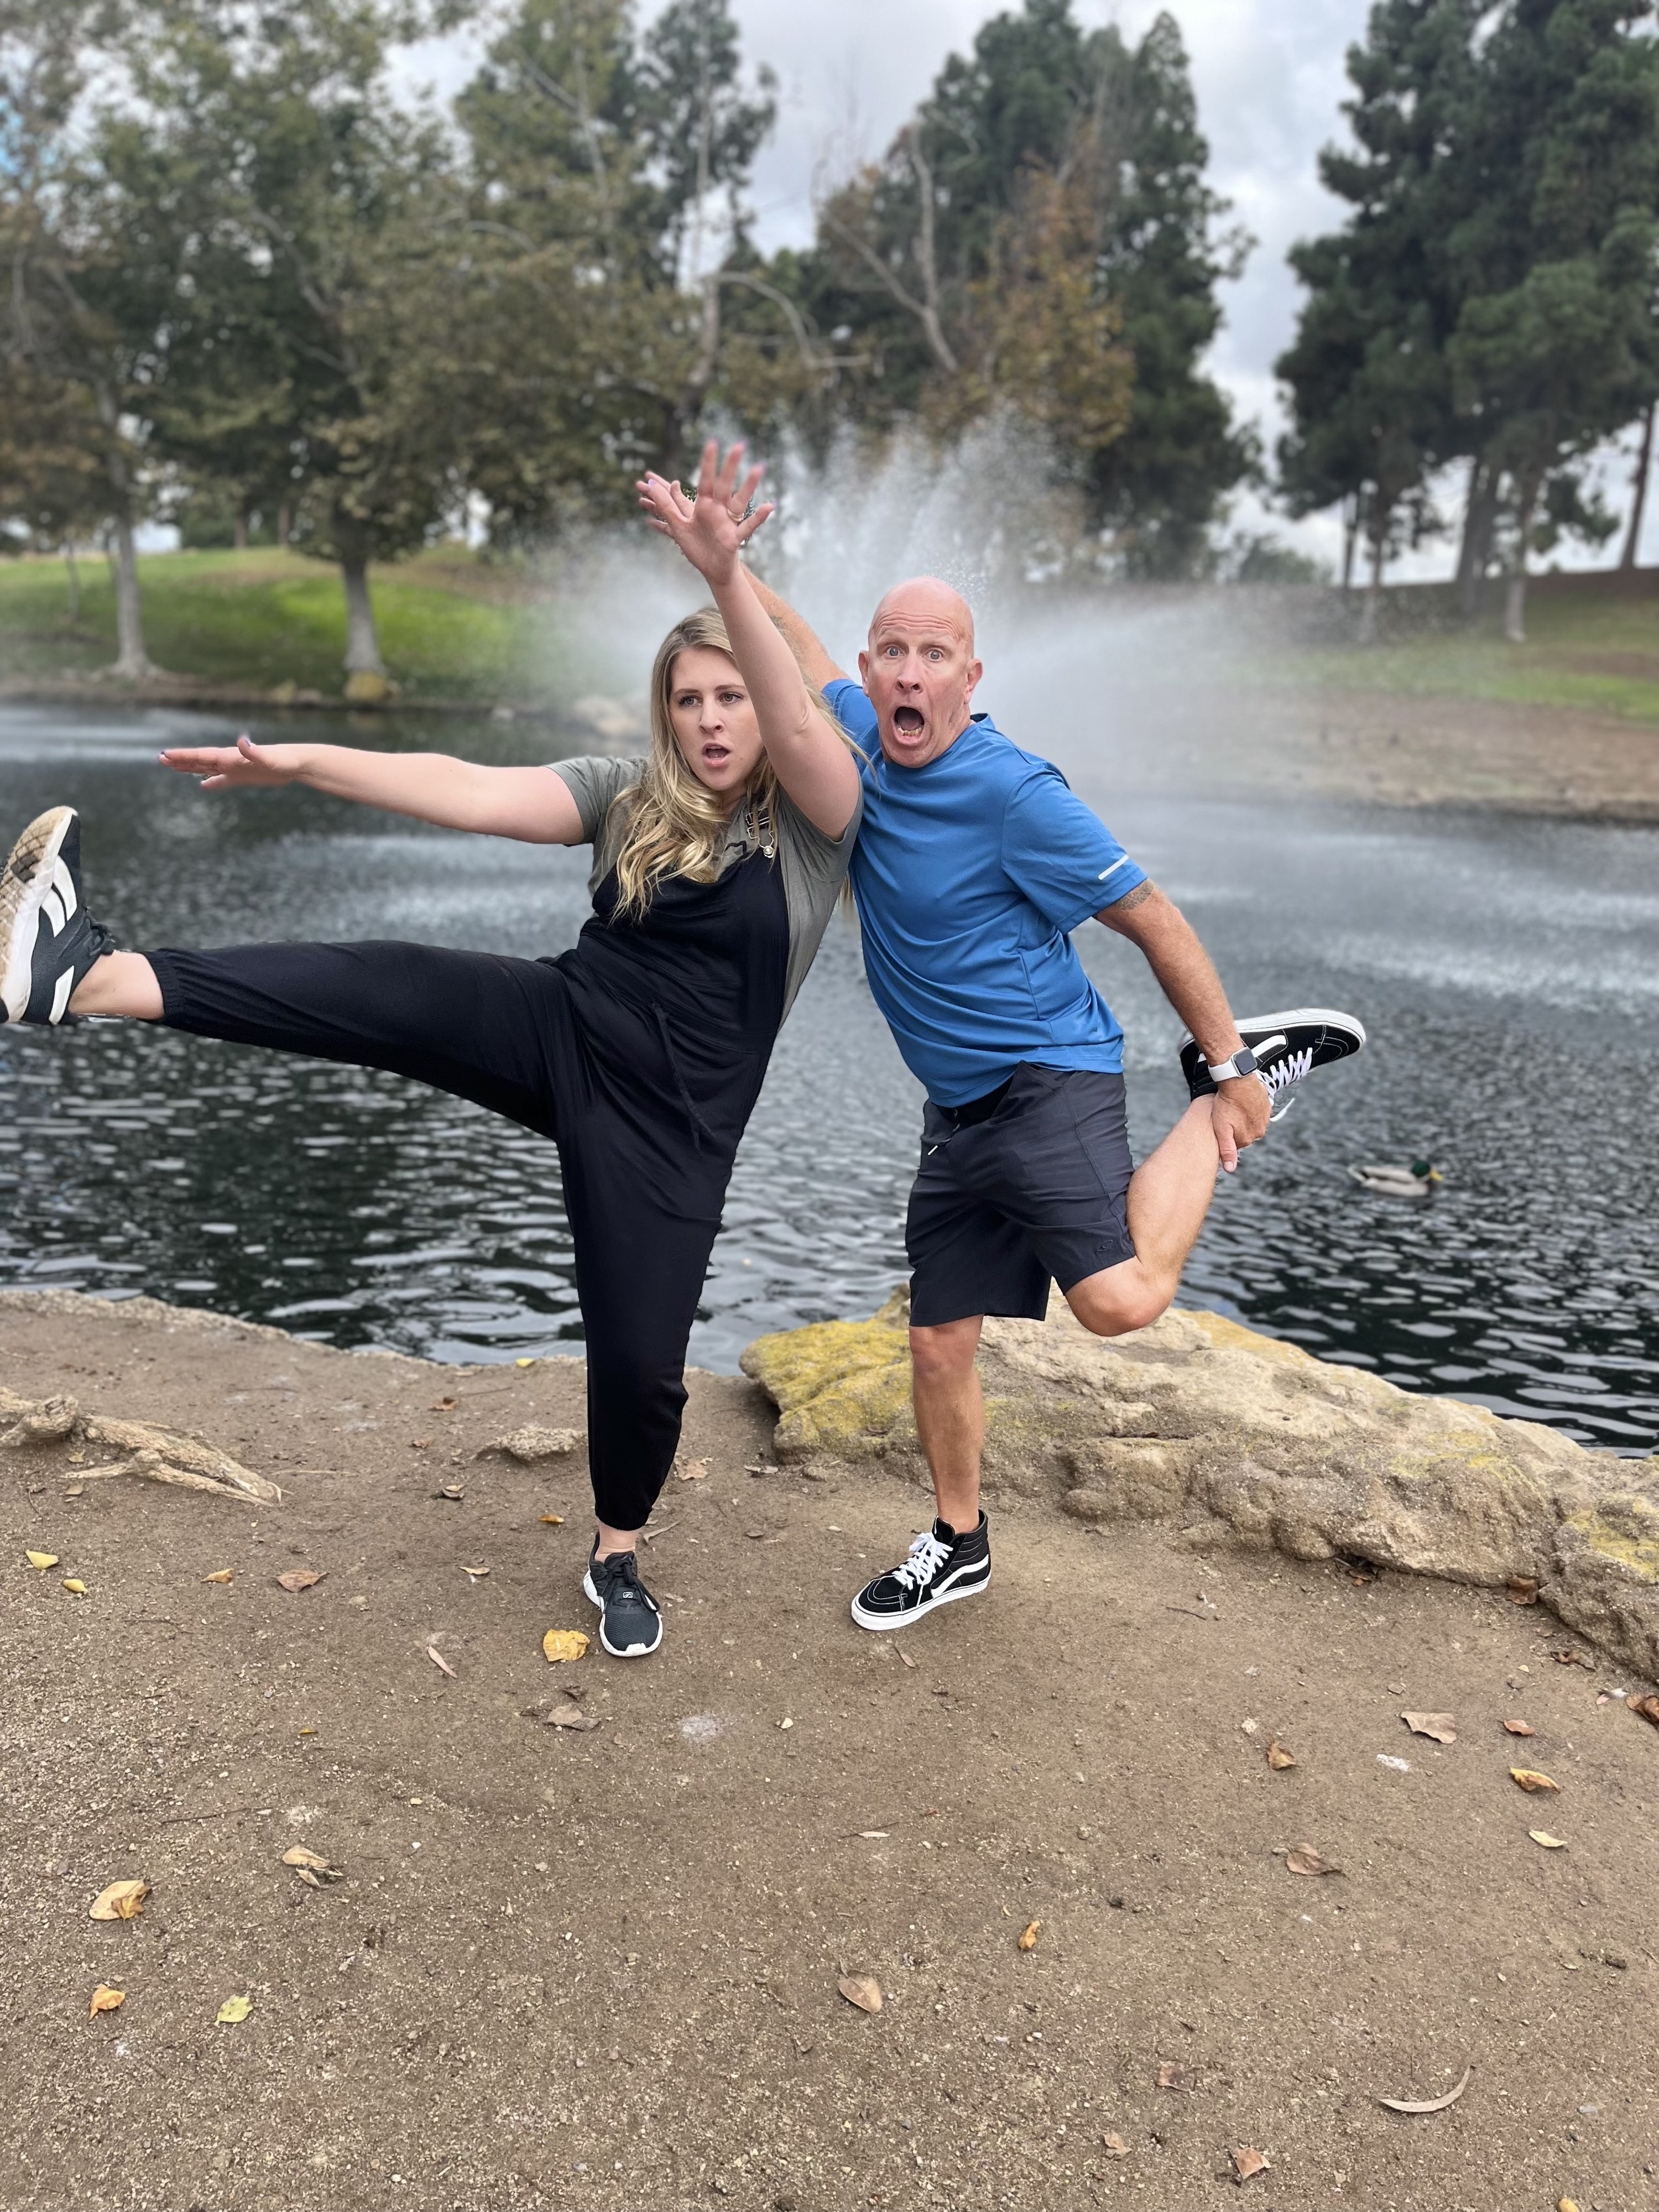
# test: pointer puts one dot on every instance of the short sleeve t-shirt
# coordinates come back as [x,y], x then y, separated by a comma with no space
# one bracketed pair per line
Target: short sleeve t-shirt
[971,873]
[813,866]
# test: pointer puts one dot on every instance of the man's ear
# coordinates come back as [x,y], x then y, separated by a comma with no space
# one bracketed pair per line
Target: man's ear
[976,670]
[864,668]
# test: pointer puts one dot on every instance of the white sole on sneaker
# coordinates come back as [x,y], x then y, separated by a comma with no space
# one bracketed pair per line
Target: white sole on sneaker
[946,1595]
[634,1650]
[36,881]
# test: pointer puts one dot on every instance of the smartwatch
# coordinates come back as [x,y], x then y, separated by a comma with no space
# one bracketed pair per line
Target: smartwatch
[1242,1063]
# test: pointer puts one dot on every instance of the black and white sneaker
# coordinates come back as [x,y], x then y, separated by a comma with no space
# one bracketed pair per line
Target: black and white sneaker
[942,1567]
[1287,1047]
[630,1619]
[47,938]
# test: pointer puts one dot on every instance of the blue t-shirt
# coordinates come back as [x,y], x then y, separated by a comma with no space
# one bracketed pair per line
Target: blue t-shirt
[971,873]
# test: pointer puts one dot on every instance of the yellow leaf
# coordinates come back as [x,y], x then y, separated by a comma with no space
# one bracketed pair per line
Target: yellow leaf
[524,1363]
[223,1576]
[41,1559]
[1550,1842]
[1531,1780]
[1028,1937]
[121,1900]
[105,1999]
[552,1519]
[1278,1757]
[72,1583]
[232,2010]
[563,1644]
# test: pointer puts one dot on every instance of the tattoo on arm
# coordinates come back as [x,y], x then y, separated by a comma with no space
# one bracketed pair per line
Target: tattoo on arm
[1131,900]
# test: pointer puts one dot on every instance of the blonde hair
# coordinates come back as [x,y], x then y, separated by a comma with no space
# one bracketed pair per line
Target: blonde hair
[672,825]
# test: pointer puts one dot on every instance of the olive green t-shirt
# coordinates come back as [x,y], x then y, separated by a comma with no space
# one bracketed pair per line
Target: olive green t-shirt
[813,866]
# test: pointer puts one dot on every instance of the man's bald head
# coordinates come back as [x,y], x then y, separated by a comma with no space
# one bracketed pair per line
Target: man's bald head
[926,599]
[919,670]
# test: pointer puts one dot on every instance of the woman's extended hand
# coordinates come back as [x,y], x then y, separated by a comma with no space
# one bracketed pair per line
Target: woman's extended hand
[243,766]
[712,529]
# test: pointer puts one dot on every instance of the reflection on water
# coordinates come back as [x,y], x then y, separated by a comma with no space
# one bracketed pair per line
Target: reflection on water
[1507,970]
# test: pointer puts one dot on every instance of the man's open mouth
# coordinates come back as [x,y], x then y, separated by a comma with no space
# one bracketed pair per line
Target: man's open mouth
[907,721]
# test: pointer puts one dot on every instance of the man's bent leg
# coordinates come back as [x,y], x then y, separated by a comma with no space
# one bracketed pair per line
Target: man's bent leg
[949,1415]
[1168,1196]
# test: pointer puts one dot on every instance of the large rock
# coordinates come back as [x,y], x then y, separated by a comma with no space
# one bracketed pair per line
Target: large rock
[1237,1438]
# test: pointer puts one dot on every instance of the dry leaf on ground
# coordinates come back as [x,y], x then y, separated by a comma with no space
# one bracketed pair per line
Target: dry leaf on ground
[76,1586]
[440,1662]
[41,1560]
[453,1493]
[691,1470]
[905,1660]
[441,1406]
[1429,2104]
[565,1713]
[1280,1756]
[1305,1859]
[1519,1728]
[311,1866]
[863,1990]
[1523,1590]
[105,1999]
[121,1900]
[1570,1655]
[1437,1727]
[232,2010]
[1114,2145]
[1566,2204]
[1549,1842]
[1028,1937]
[300,1579]
[1647,1707]
[474,1574]
[1247,2163]
[552,1519]
[560,1644]
[1529,1779]
[1172,2075]
[223,1575]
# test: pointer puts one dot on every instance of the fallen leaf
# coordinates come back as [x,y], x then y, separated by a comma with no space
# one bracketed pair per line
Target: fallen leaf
[566,1713]
[1519,1728]
[1529,1779]
[1566,2204]
[1306,1860]
[1647,1707]
[453,1493]
[1437,1727]
[105,1999]
[1429,2104]
[475,1572]
[552,1519]
[441,1406]
[1028,1937]
[1570,1655]
[41,1560]
[563,1644]
[1114,2146]
[223,1575]
[691,1470]
[307,1877]
[1174,2075]
[863,1990]
[73,1583]
[1549,1842]
[121,1900]
[440,1662]
[300,1578]
[1278,1757]
[313,1863]
[874,1835]
[905,1660]
[1522,1589]
[524,1363]
[232,2010]
[1247,2163]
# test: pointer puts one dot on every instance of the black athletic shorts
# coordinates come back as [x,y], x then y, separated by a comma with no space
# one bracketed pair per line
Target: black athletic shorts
[1030,1183]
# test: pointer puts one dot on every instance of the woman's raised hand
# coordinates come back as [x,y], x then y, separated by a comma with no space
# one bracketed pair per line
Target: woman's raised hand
[713,528]
[243,766]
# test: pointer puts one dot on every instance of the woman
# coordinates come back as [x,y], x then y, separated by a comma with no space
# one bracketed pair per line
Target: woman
[641,1053]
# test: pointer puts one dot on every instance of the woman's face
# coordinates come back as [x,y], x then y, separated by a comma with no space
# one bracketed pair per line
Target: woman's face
[713,721]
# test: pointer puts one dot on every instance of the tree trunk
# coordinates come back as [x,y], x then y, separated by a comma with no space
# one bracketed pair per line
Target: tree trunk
[1638,490]
[1368,612]
[1350,535]
[131,660]
[238,530]
[284,523]
[74,584]
[363,655]
[1515,598]
[1479,513]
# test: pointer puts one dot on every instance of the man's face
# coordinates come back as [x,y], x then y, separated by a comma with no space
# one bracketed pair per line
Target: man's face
[919,670]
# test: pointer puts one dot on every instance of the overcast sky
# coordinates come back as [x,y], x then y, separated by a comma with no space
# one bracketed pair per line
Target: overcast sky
[1269,78]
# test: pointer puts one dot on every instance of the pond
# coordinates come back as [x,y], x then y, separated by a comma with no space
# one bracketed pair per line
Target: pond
[1507,969]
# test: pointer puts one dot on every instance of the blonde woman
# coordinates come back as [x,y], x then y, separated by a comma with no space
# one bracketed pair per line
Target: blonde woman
[641,1052]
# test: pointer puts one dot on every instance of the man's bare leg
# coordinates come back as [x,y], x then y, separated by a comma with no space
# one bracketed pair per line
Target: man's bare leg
[119,983]
[1170,1195]
[950,1416]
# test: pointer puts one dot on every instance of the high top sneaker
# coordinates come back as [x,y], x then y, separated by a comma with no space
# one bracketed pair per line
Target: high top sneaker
[941,1568]
[1288,1048]
[47,938]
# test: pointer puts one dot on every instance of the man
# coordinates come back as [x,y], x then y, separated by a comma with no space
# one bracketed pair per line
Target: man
[974,864]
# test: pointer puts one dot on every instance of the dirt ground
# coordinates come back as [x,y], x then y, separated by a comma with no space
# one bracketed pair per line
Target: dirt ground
[599,1968]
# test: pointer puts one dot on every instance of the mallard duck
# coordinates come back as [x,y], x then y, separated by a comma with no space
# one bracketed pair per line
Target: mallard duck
[1415,1181]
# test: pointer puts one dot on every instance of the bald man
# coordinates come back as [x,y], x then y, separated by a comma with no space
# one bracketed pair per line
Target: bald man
[975,863]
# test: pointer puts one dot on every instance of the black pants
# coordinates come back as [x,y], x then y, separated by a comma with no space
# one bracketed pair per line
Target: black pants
[646,1161]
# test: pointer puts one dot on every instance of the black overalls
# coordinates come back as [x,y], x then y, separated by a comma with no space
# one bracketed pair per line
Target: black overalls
[641,1053]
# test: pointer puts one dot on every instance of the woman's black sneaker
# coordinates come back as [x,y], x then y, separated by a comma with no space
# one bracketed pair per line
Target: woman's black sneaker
[47,938]
[1288,1048]
[630,1619]
[942,1567]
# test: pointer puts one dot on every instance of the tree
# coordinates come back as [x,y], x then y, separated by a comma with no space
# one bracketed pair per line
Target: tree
[52,477]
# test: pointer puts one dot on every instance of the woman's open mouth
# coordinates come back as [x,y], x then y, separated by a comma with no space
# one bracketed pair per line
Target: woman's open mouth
[716,756]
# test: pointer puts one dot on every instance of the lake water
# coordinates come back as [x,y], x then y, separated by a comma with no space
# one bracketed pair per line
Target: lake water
[1507,971]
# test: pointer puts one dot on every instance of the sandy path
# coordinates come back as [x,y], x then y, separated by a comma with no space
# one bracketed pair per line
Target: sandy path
[599,1968]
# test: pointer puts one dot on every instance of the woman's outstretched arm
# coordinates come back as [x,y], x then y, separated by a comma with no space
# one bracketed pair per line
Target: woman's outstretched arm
[530,804]
[812,759]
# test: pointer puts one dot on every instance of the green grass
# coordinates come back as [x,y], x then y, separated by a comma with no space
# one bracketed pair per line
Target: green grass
[1592,647]
[449,628]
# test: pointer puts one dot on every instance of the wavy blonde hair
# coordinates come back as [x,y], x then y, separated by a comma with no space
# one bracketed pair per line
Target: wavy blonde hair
[673,825]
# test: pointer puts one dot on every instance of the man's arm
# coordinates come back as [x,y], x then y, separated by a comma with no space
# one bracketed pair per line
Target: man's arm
[1188,978]
[808,646]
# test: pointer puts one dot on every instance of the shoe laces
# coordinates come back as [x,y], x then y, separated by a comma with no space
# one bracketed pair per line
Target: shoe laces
[623,1567]
[1284,1075]
[927,1556]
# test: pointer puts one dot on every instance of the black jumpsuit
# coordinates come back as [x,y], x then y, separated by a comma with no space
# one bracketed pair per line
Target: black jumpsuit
[641,1053]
